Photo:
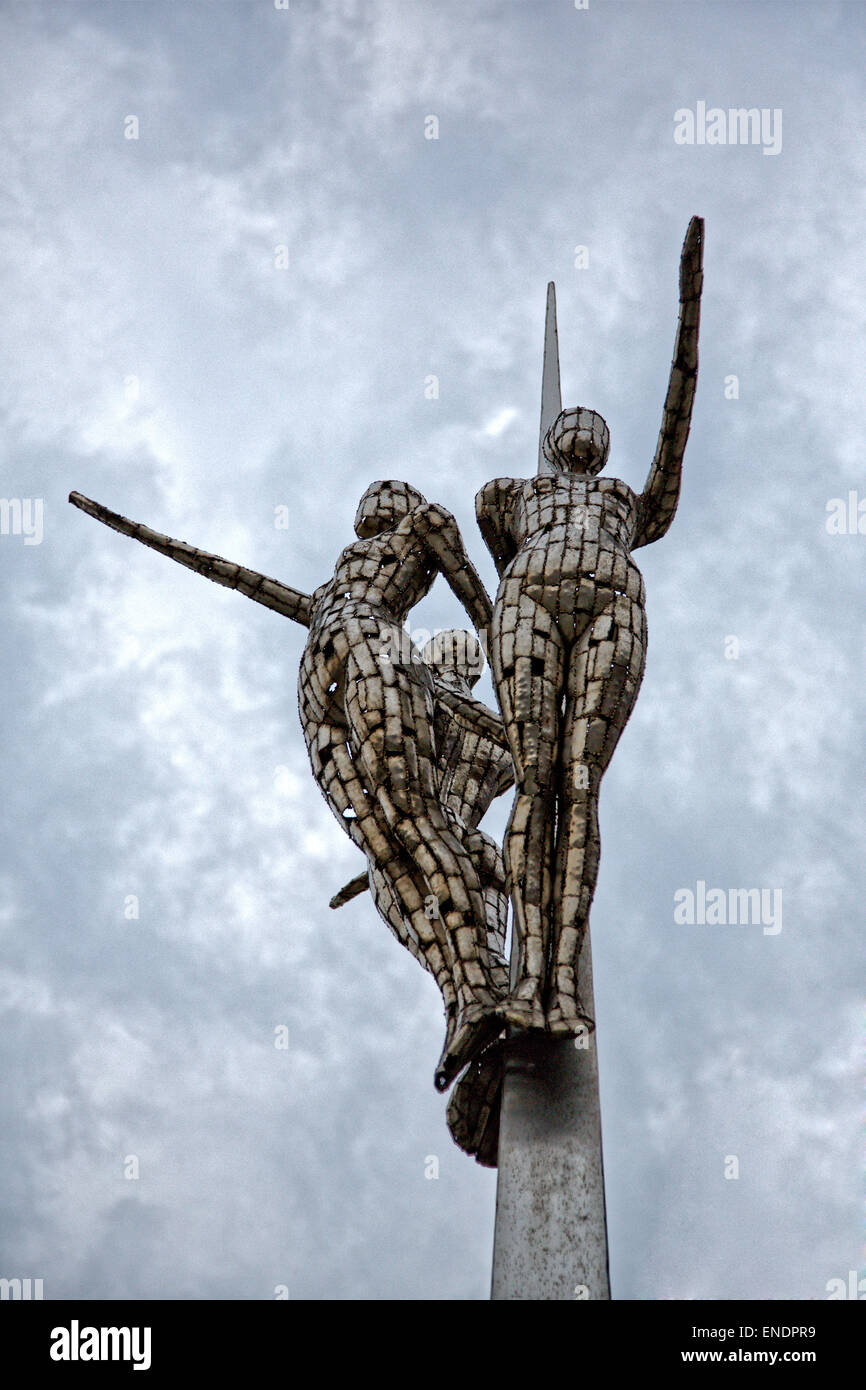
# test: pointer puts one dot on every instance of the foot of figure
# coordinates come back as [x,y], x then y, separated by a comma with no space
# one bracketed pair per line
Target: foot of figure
[524,1008]
[475,1105]
[566,1018]
[468,1034]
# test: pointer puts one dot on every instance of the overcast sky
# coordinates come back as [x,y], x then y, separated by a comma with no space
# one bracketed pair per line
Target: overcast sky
[158,355]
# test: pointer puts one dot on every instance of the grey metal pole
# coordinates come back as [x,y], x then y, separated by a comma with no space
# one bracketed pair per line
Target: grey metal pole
[550,1239]
[551,393]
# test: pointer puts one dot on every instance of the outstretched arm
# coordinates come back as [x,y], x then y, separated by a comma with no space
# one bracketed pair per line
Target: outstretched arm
[441,535]
[472,715]
[658,502]
[290,602]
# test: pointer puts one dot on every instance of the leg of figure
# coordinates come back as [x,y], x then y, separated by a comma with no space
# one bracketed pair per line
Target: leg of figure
[401,897]
[390,716]
[490,867]
[407,896]
[527,661]
[604,676]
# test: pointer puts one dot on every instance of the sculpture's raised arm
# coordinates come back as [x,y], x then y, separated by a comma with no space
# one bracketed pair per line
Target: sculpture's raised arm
[270,592]
[658,502]
[442,537]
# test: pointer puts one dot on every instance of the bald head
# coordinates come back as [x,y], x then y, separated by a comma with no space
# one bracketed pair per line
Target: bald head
[383,506]
[455,653]
[578,441]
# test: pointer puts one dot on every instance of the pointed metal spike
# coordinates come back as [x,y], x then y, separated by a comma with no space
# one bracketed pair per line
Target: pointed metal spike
[551,397]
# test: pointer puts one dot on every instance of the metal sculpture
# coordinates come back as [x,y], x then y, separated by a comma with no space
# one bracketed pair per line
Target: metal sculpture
[409,761]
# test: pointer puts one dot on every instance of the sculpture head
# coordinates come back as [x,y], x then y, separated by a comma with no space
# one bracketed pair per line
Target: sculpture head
[578,441]
[456,656]
[383,507]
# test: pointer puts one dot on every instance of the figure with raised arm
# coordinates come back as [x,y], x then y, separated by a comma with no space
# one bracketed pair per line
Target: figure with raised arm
[567,651]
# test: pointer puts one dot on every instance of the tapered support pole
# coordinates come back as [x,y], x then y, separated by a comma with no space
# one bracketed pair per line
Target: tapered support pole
[550,1241]
[551,393]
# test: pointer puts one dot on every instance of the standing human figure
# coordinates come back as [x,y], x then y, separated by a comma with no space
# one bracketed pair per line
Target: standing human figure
[567,650]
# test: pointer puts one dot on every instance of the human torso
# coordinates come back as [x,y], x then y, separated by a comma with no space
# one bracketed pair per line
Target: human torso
[554,509]
[384,577]
[573,538]
[375,584]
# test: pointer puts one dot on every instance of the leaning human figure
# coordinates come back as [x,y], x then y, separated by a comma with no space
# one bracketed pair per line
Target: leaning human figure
[367,712]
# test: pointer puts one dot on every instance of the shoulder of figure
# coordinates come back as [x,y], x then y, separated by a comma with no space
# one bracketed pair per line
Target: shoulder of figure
[614,485]
[497,493]
[430,516]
